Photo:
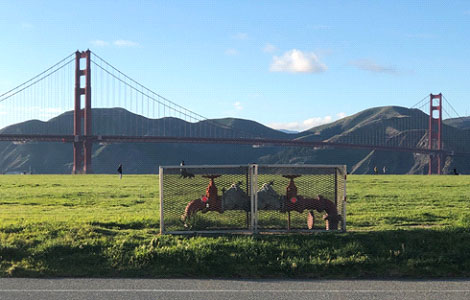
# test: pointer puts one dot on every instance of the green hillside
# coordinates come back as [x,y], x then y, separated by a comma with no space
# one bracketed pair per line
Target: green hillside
[51,158]
[390,125]
[461,123]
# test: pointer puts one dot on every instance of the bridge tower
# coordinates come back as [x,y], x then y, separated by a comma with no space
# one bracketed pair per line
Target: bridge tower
[82,146]
[435,133]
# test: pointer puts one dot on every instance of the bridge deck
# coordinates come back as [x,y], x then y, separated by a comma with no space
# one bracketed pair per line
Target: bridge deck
[198,140]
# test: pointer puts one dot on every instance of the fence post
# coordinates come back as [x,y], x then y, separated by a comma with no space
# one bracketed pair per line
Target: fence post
[336,186]
[160,179]
[343,213]
[254,197]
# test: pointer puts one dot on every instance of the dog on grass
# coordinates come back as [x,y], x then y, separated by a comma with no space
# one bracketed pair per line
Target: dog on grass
[186,174]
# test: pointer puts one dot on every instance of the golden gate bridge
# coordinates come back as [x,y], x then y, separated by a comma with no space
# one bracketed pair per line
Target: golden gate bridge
[66,88]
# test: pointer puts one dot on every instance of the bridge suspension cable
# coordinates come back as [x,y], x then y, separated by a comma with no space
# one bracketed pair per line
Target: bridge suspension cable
[140,95]
[33,80]
[143,87]
[451,107]
[40,99]
[420,102]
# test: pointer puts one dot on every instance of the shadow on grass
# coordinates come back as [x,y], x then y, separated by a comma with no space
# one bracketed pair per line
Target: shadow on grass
[128,225]
[397,253]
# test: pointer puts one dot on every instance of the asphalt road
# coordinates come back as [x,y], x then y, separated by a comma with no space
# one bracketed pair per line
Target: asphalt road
[188,289]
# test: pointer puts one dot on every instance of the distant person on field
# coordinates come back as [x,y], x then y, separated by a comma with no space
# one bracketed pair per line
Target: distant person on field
[376,171]
[182,170]
[119,170]
[384,169]
[455,172]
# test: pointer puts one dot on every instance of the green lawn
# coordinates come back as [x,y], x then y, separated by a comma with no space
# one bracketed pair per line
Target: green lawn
[98,225]
[79,200]
[390,202]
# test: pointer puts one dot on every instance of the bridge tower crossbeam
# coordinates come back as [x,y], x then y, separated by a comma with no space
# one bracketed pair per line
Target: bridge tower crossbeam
[82,146]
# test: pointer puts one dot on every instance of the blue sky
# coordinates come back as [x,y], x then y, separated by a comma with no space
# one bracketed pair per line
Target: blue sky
[287,64]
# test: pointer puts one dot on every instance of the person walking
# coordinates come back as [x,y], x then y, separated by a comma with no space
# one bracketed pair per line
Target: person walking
[119,170]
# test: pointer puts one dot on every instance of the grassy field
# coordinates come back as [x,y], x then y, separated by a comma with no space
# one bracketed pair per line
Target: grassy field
[98,225]
[392,202]
[68,200]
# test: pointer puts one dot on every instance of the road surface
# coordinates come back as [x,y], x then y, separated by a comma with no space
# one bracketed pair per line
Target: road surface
[189,289]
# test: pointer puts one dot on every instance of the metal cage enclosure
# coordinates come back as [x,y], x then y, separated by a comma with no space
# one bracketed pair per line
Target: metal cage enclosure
[252,198]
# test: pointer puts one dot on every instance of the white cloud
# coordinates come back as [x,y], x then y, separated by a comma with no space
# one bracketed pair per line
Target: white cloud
[296,61]
[99,43]
[307,124]
[231,52]
[238,105]
[371,66]
[269,48]
[125,43]
[240,36]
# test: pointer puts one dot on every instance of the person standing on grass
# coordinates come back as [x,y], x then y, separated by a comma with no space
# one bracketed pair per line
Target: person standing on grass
[119,170]
[376,171]
[182,171]
[384,169]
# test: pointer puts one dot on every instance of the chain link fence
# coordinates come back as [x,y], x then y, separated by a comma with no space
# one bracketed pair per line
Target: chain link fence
[300,197]
[252,198]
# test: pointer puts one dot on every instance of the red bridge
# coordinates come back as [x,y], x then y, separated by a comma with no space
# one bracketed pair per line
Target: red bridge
[50,94]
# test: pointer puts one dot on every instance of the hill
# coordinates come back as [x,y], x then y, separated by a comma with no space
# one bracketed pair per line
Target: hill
[363,119]
[461,123]
[395,125]
[52,158]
